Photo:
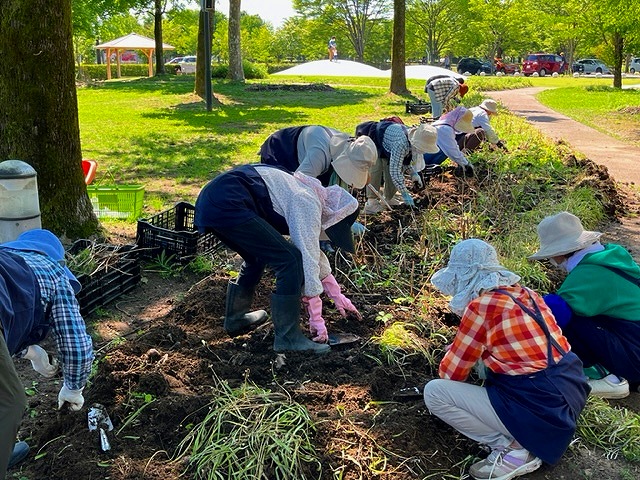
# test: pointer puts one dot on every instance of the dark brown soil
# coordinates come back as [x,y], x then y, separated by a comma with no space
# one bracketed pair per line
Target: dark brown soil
[166,340]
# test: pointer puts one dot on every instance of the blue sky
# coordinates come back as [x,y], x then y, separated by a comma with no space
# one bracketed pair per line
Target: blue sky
[274,11]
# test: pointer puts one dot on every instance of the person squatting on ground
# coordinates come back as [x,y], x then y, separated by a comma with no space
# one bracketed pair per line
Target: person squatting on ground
[598,303]
[400,149]
[331,156]
[444,93]
[37,295]
[469,142]
[449,125]
[250,208]
[526,412]
[333,49]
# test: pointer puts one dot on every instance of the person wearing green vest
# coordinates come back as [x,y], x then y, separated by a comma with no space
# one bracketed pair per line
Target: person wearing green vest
[597,305]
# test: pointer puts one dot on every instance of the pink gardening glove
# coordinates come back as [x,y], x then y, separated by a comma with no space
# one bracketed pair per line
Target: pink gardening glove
[316,322]
[343,304]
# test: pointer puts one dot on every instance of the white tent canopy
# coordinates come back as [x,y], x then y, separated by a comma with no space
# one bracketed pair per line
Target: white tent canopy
[133,41]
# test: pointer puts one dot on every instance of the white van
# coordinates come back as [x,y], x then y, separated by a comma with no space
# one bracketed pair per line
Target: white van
[634,65]
[187,65]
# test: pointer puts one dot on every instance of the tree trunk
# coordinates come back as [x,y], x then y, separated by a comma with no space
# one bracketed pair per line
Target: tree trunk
[236,72]
[398,75]
[200,86]
[618,48]
[39,110]
[157,34]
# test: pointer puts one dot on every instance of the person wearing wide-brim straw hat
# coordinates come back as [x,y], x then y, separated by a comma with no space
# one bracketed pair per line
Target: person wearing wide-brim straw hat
[597,304]
[527,409]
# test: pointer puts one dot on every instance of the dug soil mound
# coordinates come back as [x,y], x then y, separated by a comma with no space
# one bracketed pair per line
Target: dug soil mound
[167,354]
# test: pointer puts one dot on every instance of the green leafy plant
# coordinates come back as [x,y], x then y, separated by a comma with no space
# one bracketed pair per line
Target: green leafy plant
[165,265]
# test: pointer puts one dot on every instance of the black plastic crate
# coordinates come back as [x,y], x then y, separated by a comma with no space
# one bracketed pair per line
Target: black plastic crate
[419,108]
[111,279]
[174,233]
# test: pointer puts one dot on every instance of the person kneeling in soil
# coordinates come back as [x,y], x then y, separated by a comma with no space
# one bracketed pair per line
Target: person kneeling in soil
[469,142]
[37,294]
[457,121]
[250,208]
[598,303]
[331,156]
[400,149]
[534,391]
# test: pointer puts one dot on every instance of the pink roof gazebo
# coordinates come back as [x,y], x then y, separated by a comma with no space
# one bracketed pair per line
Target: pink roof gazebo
[133,41]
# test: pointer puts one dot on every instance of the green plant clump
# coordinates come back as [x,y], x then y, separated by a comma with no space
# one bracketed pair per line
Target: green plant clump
[251,433]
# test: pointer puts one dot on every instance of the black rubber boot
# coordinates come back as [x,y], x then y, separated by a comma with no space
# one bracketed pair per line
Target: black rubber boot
[285,314]
[238,320]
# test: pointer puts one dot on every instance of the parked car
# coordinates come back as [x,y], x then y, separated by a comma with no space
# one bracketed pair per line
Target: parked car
[543,63]
[590,65]
[187,65]
[174,61]
[506,68]
[634,65]
[474,66]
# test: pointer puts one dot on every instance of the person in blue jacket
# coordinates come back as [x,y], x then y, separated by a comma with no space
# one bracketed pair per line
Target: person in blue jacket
[250,208]
[37,296]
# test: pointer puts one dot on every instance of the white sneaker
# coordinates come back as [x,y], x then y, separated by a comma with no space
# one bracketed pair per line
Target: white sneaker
[505,464]
[609,387]
[373,206]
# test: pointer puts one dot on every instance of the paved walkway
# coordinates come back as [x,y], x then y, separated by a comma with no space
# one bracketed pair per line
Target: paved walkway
[620,158]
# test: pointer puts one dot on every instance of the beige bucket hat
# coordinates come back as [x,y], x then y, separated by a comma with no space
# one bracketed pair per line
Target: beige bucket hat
[423,138]
[352,158]
[562,233]
[489,105]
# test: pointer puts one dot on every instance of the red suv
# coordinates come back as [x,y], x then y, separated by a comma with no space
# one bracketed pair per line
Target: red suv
[543,63]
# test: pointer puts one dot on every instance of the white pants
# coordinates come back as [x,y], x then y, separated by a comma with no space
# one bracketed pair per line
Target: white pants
[467,408]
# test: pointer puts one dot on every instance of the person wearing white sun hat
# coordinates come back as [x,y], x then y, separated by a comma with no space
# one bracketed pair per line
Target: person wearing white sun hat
[597,304]
[526,410]
[458,120]
[468,142]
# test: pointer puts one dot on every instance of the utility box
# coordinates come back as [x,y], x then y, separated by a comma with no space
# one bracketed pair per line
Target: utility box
[19,204]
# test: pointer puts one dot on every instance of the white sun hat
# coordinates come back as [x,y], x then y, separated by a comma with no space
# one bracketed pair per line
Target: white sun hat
[352,158]
[562,233]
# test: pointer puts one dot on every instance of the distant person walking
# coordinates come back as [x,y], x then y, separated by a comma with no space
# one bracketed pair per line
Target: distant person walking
[333,49]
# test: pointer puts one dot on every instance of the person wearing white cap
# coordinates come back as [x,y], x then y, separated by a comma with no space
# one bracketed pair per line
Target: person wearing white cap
[400,149]
[597,304]
[534,391]
[482,128]
[458,120]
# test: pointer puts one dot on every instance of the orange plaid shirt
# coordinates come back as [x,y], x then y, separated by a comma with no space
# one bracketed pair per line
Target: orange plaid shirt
[507,339]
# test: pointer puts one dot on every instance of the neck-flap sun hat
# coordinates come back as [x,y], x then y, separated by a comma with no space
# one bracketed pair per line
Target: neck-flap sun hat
[562,233]
[423,138]
[45,242]
[460,118]
[352,158]
[489,105]
[472,269]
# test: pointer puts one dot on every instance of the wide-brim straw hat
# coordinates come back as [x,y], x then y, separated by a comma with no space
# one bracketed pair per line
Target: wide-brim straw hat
[352,158]
[465,123]
[562,233]
[489,105]
[423,138]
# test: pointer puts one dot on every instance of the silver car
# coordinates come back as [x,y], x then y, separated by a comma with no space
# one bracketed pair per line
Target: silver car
[634,65]
[593,65]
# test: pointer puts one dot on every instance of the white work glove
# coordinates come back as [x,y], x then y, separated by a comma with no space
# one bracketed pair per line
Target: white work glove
[417,180]
[73,397]
[40,361]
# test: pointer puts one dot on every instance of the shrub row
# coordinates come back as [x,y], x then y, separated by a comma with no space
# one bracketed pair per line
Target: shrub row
[99,72]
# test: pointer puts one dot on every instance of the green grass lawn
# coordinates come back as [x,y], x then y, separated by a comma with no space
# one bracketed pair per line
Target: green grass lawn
[157,133]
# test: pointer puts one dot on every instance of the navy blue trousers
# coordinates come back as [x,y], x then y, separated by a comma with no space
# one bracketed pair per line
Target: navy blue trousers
[610,342]
[260,245]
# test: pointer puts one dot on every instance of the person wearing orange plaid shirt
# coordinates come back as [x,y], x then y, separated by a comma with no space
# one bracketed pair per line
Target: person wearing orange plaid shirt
[527,409]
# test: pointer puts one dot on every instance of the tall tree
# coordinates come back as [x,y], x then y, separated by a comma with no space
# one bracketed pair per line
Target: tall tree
[39,109]
[158,11]
[398,75]
[236,72]
[359,17]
